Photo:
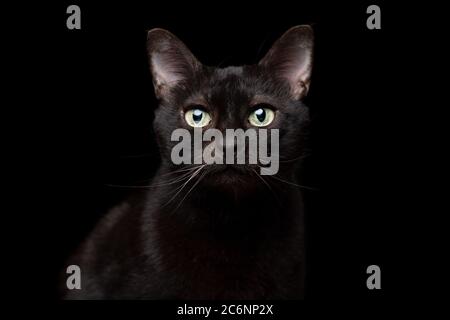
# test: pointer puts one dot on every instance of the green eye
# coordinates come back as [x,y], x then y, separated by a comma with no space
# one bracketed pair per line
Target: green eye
[197,118]
[261,117]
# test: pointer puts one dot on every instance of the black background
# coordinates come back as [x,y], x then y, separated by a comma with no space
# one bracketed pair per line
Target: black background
[94,127]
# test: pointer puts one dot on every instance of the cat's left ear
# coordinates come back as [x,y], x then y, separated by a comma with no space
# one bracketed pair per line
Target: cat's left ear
[291,57]
[171,62]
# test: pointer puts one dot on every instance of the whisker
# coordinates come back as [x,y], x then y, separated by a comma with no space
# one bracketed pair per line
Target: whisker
[177,179]
[296,158]
[192,188]
[293,184]
[163,182]
[181,170]
[168,182]
[182,187]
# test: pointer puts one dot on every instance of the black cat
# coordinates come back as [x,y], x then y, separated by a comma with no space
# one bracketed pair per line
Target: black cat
[212,231]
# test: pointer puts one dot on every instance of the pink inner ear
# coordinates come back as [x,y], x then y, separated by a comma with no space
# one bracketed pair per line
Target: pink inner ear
[297,72]
[301,69]
[290,58]
[163,71]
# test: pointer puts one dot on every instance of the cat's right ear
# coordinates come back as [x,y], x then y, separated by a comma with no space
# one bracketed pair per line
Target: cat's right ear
[171,62]
[290,59]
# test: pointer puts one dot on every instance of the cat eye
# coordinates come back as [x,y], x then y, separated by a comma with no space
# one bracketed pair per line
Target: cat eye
[197,117]
[261,117]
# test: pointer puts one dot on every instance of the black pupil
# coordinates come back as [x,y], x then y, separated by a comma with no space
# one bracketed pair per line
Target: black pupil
[197,115]
[260,114]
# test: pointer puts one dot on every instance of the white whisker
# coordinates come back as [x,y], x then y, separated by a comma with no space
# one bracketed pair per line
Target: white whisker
[192,188]
[182,187]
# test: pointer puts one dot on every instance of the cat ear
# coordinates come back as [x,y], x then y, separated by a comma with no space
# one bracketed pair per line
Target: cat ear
[290,58]
[171,62]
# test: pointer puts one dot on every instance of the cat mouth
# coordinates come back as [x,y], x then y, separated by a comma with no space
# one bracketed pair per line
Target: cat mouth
[230,169]
[234,176]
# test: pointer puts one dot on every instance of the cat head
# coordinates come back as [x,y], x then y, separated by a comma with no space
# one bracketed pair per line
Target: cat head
[267,95]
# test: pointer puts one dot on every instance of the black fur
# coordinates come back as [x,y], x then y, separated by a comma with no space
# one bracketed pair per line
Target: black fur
[234,236]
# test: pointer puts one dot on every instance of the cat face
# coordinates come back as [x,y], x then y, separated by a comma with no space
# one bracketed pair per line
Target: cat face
[267,96]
